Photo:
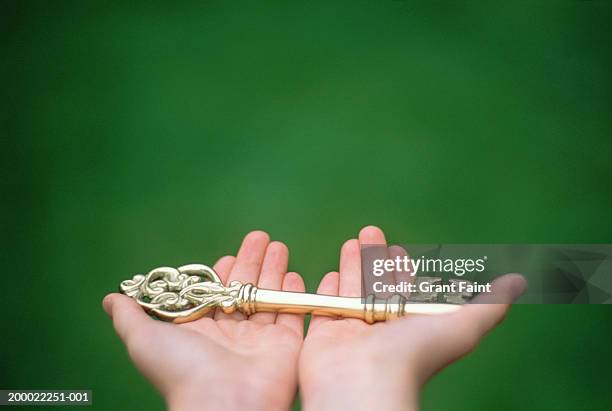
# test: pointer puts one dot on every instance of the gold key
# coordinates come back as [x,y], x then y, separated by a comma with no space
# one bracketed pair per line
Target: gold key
[187,293]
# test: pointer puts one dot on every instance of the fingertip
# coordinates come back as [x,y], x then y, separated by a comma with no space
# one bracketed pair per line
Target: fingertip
[369,229]
[223,267]
[331,276]
[112,301]
[293,282]
[372,234]
[350,246]
[126,313]
[507,288]
[122,302]
[278,247]
[107,304]
[225,260]
[329,284]
[257,236]
[517,285]
[397,250]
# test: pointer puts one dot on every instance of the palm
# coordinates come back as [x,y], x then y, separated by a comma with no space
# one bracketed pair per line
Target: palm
[333,342]
[230,346]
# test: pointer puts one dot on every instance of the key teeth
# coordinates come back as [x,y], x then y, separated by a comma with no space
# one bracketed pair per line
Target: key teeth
[394,307]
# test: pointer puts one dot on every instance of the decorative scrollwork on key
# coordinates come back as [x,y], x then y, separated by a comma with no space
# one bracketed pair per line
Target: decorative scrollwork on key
[186,293]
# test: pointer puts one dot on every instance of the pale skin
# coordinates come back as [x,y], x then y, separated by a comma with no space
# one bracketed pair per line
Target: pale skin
[256,363]
[251,363]
[349,364]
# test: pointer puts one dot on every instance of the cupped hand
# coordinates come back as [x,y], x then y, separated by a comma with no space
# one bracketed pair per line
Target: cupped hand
[221,361]
[349,364]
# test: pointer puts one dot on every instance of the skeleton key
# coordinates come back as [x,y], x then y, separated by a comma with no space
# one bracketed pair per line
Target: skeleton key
[187,293]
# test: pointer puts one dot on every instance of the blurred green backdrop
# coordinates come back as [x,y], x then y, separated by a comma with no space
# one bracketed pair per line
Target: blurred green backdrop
[138,136]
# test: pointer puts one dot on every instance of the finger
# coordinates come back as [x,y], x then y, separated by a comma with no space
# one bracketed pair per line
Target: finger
[222,267]
[129,319]
[247,265]
[504,290]
[329,285]
[350,269]
[350,260]
[373,247]
[273,270]
[151,344]
[293,282]
[250,257]
[485,311]
[455,335]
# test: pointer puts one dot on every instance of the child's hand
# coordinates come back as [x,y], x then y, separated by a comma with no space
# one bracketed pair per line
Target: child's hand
[221,361]
[349,364]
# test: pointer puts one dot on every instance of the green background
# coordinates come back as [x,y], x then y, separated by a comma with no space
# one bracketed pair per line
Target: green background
[139,136]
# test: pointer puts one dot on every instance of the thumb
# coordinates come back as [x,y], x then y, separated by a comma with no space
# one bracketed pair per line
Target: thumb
[128,317]
[447,338]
